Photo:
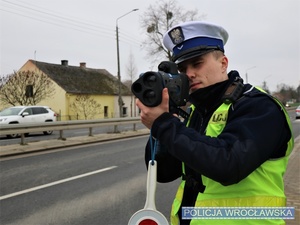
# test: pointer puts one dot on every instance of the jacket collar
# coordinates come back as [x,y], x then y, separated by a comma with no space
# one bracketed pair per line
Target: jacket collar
[206,98]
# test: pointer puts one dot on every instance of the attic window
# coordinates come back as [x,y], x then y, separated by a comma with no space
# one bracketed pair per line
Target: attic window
[29,91]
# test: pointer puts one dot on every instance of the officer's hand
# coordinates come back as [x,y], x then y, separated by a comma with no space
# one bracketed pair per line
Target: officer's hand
[149,114]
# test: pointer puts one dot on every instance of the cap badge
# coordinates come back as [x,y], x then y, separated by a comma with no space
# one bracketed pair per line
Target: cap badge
[176,35]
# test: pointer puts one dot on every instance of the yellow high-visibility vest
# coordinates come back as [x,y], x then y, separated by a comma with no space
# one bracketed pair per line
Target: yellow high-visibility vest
[264,187]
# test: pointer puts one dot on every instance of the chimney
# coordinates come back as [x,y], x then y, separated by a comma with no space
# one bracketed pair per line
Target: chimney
[82,65]
[64,62]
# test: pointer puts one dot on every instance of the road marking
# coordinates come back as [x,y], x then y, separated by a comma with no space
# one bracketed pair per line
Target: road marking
[55,183]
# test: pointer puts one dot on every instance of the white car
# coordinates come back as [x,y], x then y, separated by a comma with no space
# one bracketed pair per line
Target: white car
[27,114]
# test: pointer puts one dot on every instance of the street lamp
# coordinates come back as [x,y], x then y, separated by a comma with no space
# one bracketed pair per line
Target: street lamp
[267,77]
[247,73]
[120,101]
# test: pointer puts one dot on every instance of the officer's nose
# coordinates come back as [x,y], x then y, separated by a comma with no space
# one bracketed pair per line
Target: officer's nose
[190,72]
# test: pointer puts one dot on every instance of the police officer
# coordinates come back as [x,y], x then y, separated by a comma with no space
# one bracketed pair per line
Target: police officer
[233,149]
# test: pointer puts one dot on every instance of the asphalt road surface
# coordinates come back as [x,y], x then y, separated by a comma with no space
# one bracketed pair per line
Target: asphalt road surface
[102,183]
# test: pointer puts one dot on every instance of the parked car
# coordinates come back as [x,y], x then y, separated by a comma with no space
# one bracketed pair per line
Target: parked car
[27,114]
[298,112]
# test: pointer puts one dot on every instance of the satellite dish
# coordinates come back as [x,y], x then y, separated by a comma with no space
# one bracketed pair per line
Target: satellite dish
[149,215]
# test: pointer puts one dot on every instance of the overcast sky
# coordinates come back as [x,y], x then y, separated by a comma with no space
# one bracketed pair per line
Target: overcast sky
[264,39]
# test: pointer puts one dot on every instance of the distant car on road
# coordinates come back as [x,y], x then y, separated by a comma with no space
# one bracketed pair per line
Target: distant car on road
[27,114]
[298,112]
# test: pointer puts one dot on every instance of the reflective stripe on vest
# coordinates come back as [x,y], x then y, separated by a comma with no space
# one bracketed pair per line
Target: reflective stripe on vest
[262,188]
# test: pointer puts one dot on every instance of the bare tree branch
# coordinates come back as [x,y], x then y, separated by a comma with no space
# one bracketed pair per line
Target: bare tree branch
[13,88]
[131,69]
[132,73]
[157,20]
[86,106]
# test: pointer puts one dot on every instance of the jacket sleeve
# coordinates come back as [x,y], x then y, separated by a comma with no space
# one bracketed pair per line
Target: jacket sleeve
[256,131]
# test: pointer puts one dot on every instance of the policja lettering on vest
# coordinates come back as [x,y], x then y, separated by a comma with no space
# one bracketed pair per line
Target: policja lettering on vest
[219,117]
[197,213]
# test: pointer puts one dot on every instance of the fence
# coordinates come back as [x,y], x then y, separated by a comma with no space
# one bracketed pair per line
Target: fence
[81,117]
[66,125]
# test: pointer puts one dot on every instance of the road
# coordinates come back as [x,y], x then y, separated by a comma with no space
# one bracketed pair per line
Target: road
[95,184]
[102,183]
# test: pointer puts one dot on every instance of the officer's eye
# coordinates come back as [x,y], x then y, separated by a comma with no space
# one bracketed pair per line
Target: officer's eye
[198,62]
[182,69]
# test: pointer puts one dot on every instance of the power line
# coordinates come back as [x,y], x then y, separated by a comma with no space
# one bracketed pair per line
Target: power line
[67,19]
[75,24]
[53,23]
[84,30]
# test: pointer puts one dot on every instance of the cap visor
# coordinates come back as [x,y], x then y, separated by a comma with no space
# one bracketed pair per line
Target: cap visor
[190,55]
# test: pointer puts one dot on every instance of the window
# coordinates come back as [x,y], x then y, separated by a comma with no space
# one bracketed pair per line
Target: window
[105,111]
[124,112]
[29,110]
[39,110]
[29,91]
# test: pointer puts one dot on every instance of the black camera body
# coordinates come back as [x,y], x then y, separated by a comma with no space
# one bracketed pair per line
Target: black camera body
[148,87]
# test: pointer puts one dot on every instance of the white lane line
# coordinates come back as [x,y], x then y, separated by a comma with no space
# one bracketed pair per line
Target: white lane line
[55,183]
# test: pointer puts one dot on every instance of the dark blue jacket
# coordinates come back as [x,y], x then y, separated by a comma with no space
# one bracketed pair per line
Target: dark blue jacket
[256,130]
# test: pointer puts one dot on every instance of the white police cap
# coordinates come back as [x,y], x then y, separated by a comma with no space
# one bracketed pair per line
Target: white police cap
[194,38]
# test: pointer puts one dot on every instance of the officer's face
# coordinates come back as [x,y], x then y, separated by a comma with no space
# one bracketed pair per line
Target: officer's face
[205,70]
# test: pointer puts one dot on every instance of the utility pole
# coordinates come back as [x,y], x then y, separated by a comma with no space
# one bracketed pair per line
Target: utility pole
[120,101]
[247,73]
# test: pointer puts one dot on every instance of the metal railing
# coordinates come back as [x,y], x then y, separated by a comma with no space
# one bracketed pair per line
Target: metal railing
[23,129]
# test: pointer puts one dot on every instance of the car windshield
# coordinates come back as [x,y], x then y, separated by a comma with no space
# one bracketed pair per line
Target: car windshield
[10,111]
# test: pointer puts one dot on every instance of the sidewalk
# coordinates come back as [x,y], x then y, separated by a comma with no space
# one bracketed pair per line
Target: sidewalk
[291,178]
[292,183]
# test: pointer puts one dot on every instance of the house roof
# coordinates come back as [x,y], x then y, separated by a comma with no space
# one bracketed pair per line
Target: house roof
[83,80]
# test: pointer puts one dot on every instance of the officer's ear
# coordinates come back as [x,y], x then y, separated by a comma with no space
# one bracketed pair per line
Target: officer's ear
[224,62]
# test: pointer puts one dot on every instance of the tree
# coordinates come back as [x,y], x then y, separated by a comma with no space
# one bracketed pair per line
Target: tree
[25,88]
[157,20]
[131,72]
[285,93]
[131,69]
[265,87]
[86,106]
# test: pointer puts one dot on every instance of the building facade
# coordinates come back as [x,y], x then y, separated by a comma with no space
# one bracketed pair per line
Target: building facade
[83,93]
